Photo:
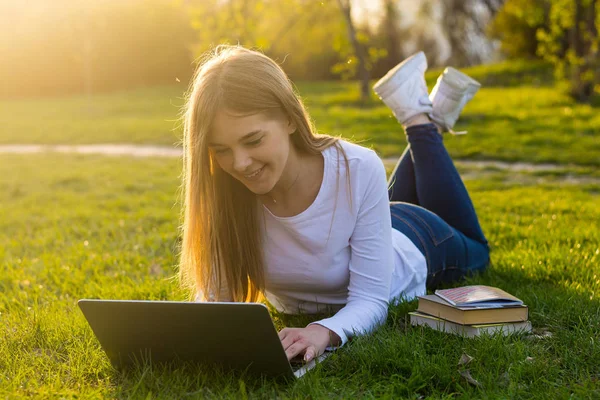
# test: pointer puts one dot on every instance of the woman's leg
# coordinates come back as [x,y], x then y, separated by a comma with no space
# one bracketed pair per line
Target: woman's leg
[433,182]
[441,220]
[402,185]
[450,255]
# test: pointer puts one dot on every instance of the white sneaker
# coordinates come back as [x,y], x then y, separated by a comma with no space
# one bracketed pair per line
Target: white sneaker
[449,95]
[403,88]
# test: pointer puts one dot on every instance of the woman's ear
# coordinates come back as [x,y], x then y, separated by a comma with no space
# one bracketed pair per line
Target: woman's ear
[291,127]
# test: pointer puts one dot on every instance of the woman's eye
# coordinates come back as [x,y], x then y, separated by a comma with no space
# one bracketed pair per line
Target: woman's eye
[254,142]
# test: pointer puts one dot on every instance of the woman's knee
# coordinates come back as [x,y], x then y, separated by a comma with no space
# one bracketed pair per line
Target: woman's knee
[462,257]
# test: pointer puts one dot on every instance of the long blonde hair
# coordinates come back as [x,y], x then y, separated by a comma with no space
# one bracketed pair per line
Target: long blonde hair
[222,238]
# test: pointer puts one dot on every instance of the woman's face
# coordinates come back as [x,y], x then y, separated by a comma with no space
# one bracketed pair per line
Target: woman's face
[253,149]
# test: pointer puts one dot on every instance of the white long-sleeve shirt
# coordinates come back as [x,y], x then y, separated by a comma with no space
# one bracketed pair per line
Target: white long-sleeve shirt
[341,253]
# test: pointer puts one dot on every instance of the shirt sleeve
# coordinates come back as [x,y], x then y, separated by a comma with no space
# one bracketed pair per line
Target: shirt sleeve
[371,258]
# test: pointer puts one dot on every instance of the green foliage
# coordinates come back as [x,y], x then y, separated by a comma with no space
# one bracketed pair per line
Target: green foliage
[91,46]
[571,43]
[309,38]
[305,37]
[347,67]
[516,25]
[562,32]
[81,46]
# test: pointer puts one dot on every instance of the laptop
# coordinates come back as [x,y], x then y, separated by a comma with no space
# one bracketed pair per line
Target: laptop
[237,336]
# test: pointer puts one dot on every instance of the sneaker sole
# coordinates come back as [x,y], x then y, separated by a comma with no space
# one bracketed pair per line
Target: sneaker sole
[399,74]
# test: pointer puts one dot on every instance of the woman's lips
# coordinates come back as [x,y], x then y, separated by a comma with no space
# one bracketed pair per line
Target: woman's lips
[255,175]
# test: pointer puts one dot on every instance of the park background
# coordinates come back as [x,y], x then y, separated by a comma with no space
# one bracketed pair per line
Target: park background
[99,221]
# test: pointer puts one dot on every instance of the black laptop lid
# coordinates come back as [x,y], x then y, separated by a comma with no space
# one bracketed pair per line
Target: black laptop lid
[237,336]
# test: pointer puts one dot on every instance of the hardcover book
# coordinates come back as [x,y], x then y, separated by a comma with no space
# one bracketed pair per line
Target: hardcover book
[438,307]
[439,324]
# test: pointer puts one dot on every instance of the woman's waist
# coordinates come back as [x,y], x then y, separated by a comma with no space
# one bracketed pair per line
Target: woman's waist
[305,303]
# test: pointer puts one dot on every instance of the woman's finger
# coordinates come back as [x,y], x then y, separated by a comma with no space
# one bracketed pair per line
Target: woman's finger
[310,353]
[283,333]
[295,349]
[287,342]
[290,339]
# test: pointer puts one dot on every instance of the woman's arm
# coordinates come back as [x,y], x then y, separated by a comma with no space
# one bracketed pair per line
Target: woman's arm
[372,257]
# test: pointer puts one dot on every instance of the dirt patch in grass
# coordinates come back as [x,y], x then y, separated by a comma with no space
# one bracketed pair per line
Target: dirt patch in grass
[517,172]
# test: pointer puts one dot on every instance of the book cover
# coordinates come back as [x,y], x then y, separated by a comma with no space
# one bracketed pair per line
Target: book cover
[478,296]
[438,307]
[418,319]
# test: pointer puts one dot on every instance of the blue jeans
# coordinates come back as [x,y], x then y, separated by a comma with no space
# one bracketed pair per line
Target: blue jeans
[430,204]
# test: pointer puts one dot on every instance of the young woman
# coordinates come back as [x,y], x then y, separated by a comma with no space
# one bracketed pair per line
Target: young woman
[309,220]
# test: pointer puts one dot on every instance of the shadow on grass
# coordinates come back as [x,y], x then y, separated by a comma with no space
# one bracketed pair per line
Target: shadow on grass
[507,74]
[184,379]
[529,125]
[400,360]
[595,101]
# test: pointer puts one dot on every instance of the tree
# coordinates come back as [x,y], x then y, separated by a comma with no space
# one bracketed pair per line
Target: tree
[516,25]
[74,46]
[359,51]
[299,34]
[392,32]
[563,32]
[463,24]
[571,43]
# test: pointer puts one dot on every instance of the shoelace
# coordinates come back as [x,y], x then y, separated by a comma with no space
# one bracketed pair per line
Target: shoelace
[450,130]
[457,133]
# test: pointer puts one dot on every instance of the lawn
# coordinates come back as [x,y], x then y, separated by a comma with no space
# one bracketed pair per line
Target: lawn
[78,226]
[517,115]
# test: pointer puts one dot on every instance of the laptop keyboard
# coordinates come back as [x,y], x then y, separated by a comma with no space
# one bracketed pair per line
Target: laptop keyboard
[300,368]
[296,363]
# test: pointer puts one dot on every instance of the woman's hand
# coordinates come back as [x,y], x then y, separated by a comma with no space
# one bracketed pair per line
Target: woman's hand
[311,341]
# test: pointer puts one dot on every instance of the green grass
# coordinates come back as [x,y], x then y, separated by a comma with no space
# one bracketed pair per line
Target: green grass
[518,115]
[106,227]
[146,115]
[76,226]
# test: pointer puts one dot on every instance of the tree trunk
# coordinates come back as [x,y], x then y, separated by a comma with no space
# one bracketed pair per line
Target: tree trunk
[391,32]
[594,53]
[584,74]
[576,44]
[359,51]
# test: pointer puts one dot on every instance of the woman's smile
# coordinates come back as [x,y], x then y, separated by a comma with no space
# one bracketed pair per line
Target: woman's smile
[254,149]
[255,175]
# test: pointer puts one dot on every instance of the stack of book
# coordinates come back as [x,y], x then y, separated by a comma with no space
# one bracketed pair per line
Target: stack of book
[472,310]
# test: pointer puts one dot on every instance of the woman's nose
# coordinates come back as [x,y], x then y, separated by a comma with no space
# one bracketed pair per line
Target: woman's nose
[241,161]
